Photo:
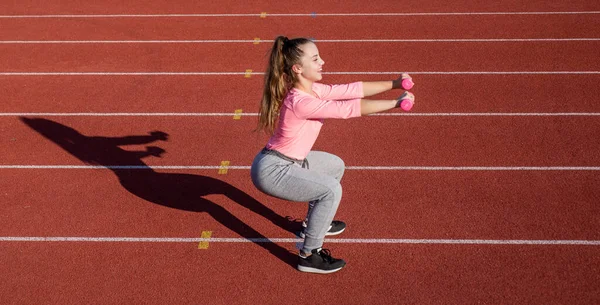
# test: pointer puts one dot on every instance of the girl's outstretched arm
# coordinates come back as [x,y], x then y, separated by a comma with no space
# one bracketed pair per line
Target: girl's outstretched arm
[374,106]
[372,88]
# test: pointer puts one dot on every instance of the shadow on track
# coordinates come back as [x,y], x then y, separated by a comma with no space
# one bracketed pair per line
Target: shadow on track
[178,191]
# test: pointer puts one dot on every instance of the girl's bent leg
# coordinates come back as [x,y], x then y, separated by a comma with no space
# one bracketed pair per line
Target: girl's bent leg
[287,180]
[325,163]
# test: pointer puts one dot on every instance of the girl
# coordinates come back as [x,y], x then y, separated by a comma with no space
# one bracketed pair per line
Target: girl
[292,111]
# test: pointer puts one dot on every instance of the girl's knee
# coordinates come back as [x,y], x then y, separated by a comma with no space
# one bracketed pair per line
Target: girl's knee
[335,192]
[339,166]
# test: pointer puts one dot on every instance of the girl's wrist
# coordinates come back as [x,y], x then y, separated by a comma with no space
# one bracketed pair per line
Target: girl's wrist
[398,103]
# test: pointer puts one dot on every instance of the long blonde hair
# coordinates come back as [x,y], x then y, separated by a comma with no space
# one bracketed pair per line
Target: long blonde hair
[279,78]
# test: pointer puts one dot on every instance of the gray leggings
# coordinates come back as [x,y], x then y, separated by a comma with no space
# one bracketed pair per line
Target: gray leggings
[289,179]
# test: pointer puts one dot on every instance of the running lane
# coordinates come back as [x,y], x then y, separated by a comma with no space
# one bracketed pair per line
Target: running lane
[353,57]
[335,6]
[377,204]
[180,273]
[543,26]
[222,94]
[391,140]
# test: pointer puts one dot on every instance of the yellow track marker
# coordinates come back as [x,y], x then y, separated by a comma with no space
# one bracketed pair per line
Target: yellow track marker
[248,73]
[256,40]
[205,235]
[263,14]
[223,168]
[238,114]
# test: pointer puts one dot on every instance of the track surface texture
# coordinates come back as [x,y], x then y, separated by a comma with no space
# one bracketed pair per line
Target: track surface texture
[127,135]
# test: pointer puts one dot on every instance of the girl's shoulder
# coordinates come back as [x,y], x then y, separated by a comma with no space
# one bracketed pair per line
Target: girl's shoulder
[319,87]
[295,94]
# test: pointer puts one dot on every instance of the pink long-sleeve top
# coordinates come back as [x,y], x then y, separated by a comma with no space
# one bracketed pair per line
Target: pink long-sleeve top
[302,115]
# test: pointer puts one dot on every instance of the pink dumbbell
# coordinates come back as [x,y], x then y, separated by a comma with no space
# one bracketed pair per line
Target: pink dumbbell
[407,83]
[406,104]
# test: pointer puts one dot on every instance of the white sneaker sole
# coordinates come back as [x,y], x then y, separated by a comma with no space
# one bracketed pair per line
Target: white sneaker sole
[302,235]
[315,270]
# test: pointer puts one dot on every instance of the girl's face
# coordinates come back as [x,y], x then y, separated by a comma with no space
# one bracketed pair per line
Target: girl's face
[311,64]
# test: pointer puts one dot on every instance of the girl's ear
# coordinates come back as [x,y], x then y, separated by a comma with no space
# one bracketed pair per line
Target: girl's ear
[297,68]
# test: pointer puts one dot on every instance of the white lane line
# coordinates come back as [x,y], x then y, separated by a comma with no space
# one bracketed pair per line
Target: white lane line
[201,114]
[295,240]
[378,168]
[312,15]
[262,73]
[136,167]
[270,41]
[490,114]
[470,72]
[124,73]
[126,114]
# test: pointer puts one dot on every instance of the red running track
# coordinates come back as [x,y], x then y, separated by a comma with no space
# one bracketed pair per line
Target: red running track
[343,27]
[441,57]
[379,205]
[202,94]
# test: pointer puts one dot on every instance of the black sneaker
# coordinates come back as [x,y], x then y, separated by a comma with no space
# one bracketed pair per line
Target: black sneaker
[320,262]
[335,228]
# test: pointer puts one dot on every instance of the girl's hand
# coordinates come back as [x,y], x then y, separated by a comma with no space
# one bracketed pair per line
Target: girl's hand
[403,82]
[406,97]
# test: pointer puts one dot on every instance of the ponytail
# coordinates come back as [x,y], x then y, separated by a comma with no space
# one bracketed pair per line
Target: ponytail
[279,78]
